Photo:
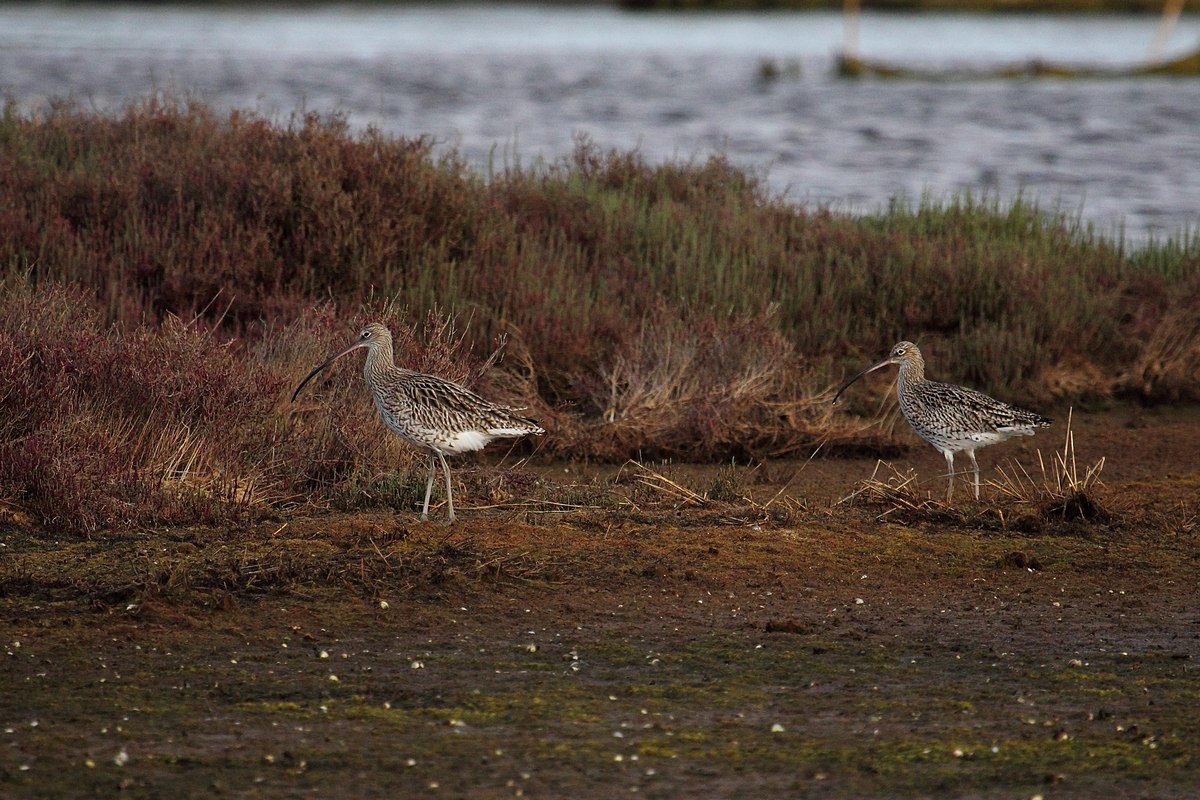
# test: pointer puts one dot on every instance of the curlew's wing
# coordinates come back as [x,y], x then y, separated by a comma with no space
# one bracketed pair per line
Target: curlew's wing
[444,405]
[967,410]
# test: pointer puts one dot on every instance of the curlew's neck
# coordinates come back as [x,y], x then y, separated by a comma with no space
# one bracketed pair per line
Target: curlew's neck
[912,372]
[380,360]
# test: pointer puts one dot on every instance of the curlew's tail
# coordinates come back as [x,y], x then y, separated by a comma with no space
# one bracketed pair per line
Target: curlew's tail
[524,430]
[1016,430]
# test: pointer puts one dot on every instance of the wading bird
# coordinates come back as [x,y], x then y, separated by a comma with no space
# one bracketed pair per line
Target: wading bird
[951,418]
[431,413]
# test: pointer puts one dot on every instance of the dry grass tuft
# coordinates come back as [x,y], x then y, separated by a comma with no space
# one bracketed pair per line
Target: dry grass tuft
[898,494]
[1063,491]
[665,488]
[703,390]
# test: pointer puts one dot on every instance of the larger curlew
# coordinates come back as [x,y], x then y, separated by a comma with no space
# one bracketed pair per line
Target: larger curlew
[951,418]
[434,414]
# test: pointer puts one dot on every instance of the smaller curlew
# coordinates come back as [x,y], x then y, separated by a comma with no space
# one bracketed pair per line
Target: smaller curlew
[431,413]
[951,418]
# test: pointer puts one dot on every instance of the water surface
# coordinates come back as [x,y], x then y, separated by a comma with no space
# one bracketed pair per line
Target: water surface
[519,82]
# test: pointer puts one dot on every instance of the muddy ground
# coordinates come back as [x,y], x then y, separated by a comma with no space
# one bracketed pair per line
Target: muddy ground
[601,636]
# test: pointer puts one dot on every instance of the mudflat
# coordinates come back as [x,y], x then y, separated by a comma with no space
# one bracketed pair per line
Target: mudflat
[636,631]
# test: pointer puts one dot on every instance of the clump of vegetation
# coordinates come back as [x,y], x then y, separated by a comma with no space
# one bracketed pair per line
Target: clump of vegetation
[109,424]
[898,497]
[1063,492]
[727,485]
[169,273]
[95,416]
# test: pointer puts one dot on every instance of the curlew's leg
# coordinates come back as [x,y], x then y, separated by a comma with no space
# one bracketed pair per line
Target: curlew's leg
[449,491]
[975,464]
[428,487]
[949,475]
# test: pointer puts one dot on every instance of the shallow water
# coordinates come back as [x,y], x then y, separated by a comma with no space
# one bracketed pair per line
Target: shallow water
[518,83]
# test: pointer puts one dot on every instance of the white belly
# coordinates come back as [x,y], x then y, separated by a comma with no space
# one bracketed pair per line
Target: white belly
[959,441]
[464,441]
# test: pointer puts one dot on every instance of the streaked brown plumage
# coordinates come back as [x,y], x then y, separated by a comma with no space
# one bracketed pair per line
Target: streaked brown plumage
[951,418]
[428,412]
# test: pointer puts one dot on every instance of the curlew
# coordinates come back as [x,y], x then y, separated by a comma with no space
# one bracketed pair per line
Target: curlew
[951,418]
[431,413]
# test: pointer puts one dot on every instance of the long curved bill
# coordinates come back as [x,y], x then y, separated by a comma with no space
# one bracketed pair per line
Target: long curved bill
[886,362]
[327,362]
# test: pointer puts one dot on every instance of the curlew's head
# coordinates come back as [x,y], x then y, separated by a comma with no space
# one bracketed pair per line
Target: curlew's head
[906,354]
[373,336]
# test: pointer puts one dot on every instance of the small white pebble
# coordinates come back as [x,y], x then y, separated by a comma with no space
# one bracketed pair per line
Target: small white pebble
[383,604]
[324,654]
[776,728]
[87,762]
[121,758]
[334,679]
[417,665]
[858,601]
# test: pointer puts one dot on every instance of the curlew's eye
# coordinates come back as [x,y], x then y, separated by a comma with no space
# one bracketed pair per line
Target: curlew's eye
[365,335]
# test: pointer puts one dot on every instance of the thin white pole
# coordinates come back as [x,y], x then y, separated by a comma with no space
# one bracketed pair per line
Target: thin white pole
[850,22]
[1166,26]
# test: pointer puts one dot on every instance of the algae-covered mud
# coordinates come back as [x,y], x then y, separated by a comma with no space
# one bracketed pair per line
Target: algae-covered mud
[757,637]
